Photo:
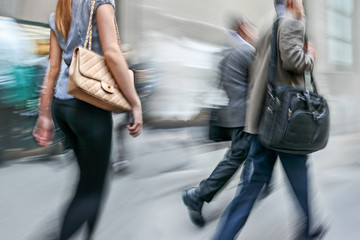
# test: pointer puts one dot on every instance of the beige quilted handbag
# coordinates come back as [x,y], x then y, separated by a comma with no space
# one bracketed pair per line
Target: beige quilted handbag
[90,79]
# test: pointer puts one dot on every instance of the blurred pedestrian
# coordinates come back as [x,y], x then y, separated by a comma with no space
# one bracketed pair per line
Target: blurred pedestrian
[121,161]
[87,128]
[293,60]
[15,50]
[234,78]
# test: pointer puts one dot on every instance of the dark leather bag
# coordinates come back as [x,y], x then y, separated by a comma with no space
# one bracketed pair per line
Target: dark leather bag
[217,133]
[294,120]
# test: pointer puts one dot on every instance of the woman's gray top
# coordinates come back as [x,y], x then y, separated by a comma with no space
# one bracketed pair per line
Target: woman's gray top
[76,37]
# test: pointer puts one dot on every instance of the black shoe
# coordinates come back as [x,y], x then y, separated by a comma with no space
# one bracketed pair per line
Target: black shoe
[194,205]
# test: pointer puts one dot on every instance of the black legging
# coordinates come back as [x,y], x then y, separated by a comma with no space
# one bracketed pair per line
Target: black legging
[88,130]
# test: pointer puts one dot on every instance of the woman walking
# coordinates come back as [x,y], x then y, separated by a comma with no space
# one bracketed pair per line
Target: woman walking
[87,128]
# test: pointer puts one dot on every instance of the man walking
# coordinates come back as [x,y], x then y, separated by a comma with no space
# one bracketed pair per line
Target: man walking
[234,70]
[294,58]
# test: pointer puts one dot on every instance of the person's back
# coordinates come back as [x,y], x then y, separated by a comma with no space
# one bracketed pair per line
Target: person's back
[234,72]
[87,128]
[80,10]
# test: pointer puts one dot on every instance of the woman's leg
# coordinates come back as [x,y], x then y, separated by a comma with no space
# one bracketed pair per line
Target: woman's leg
[89,130]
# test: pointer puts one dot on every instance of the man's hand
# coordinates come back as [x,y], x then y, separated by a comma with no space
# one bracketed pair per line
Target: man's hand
[310,49]
[298,9]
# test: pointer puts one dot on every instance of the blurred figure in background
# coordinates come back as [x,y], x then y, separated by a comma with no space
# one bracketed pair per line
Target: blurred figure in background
[234,78]
[15,49]
[144,79]
[293,60]
[121,160]
[87,128]
[121,120]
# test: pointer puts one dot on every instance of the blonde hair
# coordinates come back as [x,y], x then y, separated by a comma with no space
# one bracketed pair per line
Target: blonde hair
[63,17]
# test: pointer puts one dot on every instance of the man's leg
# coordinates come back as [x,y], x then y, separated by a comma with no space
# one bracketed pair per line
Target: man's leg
[246,171]
[296,170]
[232,161]
[234,157]
[239,209]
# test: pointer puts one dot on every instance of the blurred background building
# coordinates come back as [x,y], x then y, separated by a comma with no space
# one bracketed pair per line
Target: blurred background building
[182,41]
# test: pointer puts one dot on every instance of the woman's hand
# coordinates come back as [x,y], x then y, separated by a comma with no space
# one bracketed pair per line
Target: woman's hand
[136,127]
[44,130]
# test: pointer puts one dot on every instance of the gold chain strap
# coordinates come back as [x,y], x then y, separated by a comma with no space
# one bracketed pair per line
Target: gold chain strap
[88,40]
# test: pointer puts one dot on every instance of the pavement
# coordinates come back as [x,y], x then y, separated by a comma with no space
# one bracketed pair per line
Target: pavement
[144,203]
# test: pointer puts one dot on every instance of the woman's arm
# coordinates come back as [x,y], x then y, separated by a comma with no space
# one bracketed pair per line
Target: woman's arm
[117,65]
[44,127]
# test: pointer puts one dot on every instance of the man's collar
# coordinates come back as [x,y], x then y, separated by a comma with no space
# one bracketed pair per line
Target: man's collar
[240,39]
[280,10]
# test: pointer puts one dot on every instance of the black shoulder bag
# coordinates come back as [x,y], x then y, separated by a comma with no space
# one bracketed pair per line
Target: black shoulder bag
[294,120]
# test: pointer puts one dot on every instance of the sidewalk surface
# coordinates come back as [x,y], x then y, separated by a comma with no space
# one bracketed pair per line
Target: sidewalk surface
[144,203]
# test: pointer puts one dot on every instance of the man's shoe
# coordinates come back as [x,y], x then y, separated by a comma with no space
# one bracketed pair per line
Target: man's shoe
[194,205]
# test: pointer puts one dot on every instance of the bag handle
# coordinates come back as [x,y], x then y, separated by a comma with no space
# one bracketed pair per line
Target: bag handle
[273,61]
[88,40]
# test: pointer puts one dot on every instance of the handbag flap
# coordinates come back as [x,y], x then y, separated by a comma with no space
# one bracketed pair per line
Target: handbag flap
[107,87]
[93,66]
